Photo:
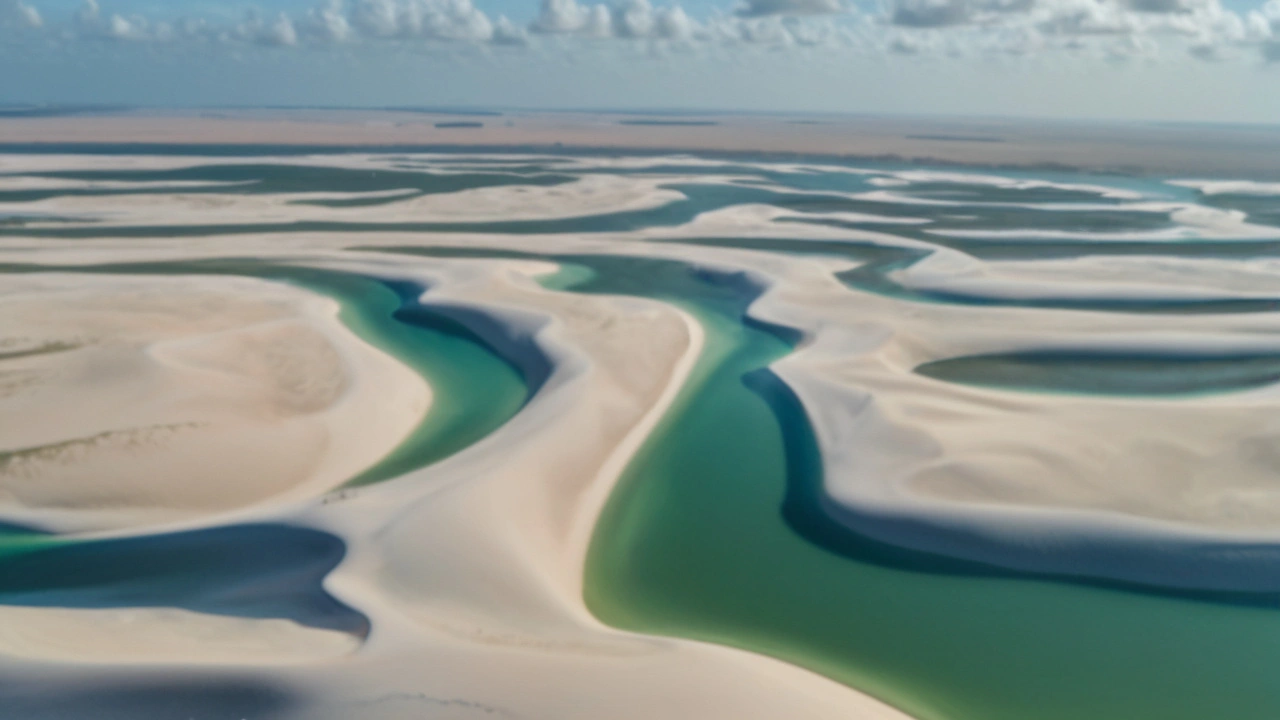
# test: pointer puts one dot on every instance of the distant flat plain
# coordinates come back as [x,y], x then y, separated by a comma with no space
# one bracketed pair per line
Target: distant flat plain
[1132,148]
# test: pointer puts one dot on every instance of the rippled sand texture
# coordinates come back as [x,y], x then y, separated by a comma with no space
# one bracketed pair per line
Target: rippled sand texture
[393,435]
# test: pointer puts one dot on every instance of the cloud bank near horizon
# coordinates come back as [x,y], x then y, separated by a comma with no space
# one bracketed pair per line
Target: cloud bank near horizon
[1089,29]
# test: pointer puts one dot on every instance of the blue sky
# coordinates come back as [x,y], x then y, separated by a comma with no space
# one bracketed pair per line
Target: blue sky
[1196,60]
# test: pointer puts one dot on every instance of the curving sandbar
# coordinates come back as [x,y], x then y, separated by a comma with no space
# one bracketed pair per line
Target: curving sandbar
[727,418]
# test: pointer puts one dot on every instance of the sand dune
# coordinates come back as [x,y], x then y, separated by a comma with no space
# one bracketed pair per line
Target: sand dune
[192,402]
[149,399]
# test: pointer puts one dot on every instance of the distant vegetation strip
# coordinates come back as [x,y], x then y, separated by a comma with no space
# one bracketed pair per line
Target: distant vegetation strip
[678,123]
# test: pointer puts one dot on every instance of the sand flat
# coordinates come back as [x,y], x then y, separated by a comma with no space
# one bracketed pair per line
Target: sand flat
[1190,150]
[165,398]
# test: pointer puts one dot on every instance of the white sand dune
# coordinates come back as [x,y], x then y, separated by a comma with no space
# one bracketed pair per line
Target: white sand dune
[471,573]
[1010,183]
[1230,187]
[1191,222]
[1177,492]
[477,566]
[140,395]
[1148,277]
[147,399]
[596,194]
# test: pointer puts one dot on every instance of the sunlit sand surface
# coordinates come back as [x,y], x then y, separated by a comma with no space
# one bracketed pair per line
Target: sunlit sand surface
[389,433]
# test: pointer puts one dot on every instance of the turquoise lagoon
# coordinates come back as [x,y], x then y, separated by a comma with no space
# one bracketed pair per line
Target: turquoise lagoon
[715,531]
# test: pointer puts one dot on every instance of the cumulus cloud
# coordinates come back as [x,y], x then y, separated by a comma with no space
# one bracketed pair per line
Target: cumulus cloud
[560,16]
[1159,6]
[776,31]
[759,22]
[1262,27]
[15,13]
[950,13]
[1097,29]
[674,24]
[275,32]
[627,20]
[764,8]
[423,19]
[506,32]
[1132,47]
[599,22]
[90,22]
[931,13]
[1077,18]
[327,23]
[632,18]
[1107,29]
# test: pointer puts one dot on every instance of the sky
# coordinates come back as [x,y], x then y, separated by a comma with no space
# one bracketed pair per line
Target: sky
[1166,60]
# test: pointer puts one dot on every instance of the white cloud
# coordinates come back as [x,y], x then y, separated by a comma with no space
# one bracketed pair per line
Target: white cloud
[422,19]
[951,13]
[88,13]
[1263,27]
[1132,47]
[15,13]
[327,23]
[1159,6]
[1073,18]
[772,31]
[90,22]
[560,16]
[628,19]
[763,8]
[276,32]
[932,13]
[599,22]
[1114,29]
[1078,29]
[1257,27]
[632,19]
[506,32]
[379,18]
[673,24]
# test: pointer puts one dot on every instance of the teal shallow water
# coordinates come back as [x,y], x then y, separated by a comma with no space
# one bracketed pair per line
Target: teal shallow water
[1109,373]
[275,571]
[259,571]
[715,533]
[474,388]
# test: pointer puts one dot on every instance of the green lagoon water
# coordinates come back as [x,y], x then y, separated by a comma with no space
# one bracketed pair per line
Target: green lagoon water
[715,533]
[276,570]
[1109,373]
[256,571]
[474,388]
